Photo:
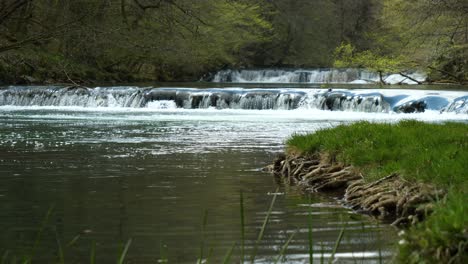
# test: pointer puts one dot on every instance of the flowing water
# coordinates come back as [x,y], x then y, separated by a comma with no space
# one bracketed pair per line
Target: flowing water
[148,164]
[327,75]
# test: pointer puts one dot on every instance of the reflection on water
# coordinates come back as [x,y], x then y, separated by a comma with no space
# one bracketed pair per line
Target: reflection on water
[112,176]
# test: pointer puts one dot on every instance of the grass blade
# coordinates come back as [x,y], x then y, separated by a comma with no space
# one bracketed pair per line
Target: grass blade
[73,241]
[337,244]
[27,260]
[163,255]
[309,227]
[124,252]
[92,257]
[202,243]
[380,244]
[39,233]
[242,227]
[5,257]
[322,253]
[210,254]
[60,248]
[262,230]
[285,246]
[227,258]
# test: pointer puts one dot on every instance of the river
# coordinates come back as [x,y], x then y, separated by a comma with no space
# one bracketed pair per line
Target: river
[150,164]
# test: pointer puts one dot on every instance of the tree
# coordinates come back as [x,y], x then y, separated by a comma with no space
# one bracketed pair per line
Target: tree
[347,56]
[434,34]
[128,39]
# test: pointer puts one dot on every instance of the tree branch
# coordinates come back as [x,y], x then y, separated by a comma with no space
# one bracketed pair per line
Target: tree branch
[38,37]
[147,6]
[6,12]
[186,12]
[446,73]
[409,77]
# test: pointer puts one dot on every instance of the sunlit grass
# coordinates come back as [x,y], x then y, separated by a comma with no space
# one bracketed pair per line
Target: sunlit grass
[435,153]
[420,152]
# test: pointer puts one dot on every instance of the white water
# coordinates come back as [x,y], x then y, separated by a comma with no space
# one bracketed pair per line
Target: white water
[212,120]
[192,131]
[368,100]
[355,76]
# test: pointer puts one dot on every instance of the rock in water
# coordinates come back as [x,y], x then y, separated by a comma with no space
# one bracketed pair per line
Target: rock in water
[411,107]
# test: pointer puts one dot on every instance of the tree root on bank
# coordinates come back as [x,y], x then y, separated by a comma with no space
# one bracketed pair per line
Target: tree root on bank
[388,198]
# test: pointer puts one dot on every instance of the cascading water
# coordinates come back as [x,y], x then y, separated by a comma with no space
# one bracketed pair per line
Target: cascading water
[358,76]
[373,101]
[73,96]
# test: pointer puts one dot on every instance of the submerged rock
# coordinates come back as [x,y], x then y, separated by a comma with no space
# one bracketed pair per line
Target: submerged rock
[411,107]
[345,101]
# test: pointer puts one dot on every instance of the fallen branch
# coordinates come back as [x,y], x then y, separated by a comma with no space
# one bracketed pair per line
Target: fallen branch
[409,77]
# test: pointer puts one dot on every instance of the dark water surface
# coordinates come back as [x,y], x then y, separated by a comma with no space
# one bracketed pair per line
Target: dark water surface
[118,174]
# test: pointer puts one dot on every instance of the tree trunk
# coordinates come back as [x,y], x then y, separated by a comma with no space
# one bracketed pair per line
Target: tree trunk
[382,81]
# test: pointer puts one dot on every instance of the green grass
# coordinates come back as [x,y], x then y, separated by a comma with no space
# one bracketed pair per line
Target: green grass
[433,153]
[446,229]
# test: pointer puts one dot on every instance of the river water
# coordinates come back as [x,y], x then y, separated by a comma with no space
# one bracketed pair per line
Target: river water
[153,172]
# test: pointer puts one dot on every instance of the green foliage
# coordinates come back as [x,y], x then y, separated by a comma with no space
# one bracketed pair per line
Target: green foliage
[431,153]
[125,40]
[346,56]
[442,238]
[431,35]
[451,65]
[121,40]
[428,33]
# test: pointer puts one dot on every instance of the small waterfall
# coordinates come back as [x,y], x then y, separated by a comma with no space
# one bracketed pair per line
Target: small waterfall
[346,101]
[372,101]
[253,99]
[72,96]
[310,76]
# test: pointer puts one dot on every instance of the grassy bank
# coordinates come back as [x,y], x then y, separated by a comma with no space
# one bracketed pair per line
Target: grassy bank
[432,153]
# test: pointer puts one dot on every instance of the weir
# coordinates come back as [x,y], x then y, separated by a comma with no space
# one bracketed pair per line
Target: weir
[371,101]
[326,75]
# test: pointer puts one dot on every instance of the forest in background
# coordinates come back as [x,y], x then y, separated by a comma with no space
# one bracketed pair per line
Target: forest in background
[86,41]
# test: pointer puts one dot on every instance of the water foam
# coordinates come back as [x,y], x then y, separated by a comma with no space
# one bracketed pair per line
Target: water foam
[168,99]
[356,76]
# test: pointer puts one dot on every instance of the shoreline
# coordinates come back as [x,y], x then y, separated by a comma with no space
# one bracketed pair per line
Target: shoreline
[411,174]
[390,198]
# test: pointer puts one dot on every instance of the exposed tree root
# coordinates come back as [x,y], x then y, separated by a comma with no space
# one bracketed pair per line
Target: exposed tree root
[388,198]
